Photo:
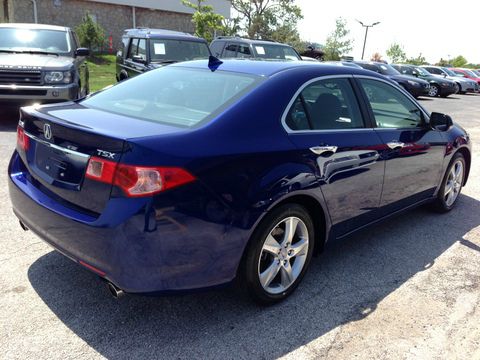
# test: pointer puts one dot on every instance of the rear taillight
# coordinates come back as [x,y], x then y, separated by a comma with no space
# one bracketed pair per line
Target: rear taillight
[23,140]
[137,180]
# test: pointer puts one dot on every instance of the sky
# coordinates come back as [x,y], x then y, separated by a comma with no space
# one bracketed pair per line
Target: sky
[437,29]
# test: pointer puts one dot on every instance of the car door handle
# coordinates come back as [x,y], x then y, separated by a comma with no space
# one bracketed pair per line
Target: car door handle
[395,145]
[319,150]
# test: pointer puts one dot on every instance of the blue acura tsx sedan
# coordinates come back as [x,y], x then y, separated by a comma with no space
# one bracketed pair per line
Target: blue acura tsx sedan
[199,173]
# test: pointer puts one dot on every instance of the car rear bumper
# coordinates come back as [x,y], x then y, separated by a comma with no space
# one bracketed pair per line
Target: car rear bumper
[139,251]
[38,93]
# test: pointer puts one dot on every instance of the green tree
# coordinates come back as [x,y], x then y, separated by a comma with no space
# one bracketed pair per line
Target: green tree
[338,43]
[263,19]
[419,60]
[459,61]
[206,21]
[442,62]
[91,34]
[396,53]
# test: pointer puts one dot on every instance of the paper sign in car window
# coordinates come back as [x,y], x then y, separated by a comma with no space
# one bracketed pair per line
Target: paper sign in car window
[159,48]
[260,50]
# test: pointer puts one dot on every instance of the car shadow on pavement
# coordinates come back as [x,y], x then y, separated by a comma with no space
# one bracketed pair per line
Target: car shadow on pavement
[8,118]
[344,284]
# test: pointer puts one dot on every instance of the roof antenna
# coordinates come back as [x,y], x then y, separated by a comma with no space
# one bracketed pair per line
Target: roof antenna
[214,63]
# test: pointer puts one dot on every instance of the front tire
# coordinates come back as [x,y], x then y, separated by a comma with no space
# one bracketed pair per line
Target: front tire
[279,254]
[451,185]
[434,90]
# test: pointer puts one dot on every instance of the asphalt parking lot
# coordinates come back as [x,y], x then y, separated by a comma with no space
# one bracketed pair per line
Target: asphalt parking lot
[407,289]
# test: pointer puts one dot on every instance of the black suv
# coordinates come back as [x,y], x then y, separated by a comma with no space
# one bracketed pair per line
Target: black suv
[145,49]
[416,87]
[40,64]
[236,47]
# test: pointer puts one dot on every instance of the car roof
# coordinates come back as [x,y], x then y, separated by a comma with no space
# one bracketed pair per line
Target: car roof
[161,33]
[33,26]
[269,68]
[250,41]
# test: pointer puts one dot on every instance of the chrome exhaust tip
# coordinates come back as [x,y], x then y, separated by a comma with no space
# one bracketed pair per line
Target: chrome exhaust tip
[115,291]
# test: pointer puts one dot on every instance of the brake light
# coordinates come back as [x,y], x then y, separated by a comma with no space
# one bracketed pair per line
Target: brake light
[23,141]
[137,181]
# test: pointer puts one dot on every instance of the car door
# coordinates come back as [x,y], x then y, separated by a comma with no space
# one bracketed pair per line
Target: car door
[414,152]
[136,57]
[326,122]
[81,66]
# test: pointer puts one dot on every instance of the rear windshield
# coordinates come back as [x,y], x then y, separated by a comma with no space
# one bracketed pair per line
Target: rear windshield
[386,69]
[173,95]
[177,50]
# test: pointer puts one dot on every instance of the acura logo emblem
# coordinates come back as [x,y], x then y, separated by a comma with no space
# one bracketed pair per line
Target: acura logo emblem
[47,131]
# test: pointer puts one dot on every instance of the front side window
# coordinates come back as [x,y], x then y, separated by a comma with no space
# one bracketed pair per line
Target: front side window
[173,95]
[170,50]
[325,105]
[390,107]
[133,49]
[244,51]
[142,48]
[35,40]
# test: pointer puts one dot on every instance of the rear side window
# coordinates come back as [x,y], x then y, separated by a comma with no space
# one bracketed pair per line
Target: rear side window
[390,107]
[325,105]
[216,47]
[174,95]
[230,51]
[244,51]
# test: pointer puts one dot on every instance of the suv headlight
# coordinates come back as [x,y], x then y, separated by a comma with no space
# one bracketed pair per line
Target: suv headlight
[58,77]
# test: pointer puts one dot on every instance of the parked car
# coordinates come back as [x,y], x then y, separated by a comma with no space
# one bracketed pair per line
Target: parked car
[226,47]
[467,73]
[40,64]
[313,52]
[145,49]
[413,85]
[464,85]
[158,185]
[438,86]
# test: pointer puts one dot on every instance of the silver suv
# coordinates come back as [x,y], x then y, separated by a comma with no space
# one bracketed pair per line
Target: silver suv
[41,63]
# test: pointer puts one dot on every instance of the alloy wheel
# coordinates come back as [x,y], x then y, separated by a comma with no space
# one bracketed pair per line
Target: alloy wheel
[454,183]
[433,92]
[283,255]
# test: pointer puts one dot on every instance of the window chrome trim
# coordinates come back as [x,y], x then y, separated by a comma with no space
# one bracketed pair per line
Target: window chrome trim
[56,147]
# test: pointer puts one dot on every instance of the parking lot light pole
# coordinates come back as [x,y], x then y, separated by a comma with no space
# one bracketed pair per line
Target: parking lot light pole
[366,33]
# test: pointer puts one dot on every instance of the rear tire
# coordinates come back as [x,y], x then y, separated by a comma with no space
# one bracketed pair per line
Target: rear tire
[279,253]
[451,185]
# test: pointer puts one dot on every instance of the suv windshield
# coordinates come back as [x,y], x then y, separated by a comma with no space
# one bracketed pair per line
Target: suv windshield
[174,95]
[386,69]
[37,40]
[166,50]
[275,52]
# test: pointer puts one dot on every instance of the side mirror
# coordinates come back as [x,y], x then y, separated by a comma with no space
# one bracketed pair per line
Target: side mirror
[440,121]
[82,52]
[139,59]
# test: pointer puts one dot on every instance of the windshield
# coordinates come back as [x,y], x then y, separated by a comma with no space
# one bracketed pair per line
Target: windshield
[470,73]
[165,50]
[275,52]
[38,40]
[476,72]
[422,71]
[386,69]
[449,72]
[176,96]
